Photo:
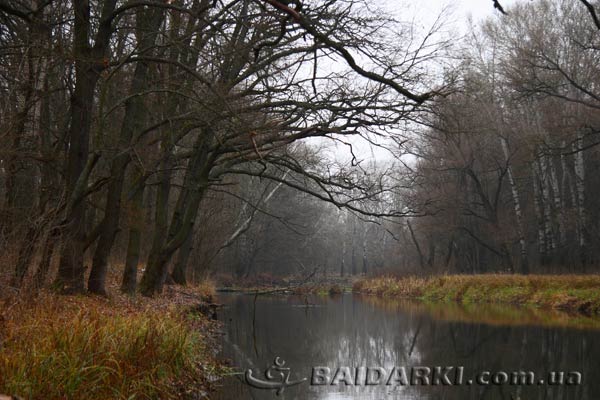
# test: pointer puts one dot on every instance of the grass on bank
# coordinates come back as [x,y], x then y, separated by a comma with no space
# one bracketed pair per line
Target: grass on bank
[85,347]
[567,292]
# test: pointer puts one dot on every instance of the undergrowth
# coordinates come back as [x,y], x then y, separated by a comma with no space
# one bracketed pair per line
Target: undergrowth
[57,347]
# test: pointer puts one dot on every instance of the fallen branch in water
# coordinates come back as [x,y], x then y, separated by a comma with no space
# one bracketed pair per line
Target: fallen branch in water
[289,288]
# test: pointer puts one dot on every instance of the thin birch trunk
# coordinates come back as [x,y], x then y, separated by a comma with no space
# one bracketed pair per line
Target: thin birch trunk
[364,255]
[344,234]
[580,189]
[542,247]
[517,207]
[545,205]
[567,180]
[557,201]
[353,259]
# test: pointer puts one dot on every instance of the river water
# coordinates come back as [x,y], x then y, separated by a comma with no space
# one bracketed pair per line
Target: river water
[335,342]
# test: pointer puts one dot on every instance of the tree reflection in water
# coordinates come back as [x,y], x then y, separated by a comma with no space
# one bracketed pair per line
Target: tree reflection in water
[350,331]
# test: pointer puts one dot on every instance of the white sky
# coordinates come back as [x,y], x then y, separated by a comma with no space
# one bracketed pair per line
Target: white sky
[457,14]
[461,9]
[477,8]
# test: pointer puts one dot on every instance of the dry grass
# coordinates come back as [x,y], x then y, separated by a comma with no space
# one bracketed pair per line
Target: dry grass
[569,292]
[87,347]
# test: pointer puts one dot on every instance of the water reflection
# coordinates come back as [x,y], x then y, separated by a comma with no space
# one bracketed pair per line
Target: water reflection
[491,314]
[349,331]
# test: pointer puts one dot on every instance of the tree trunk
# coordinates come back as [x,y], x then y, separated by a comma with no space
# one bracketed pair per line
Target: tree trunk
[432,250]
[545,209]
[49,197]
[179,273]
[353,250]
[537,202]
[151,277]
[417,247]
[21,182]
[517,207]
[148,22]
[155,275]
[26,252]
[364,255]
[567,180]
[557,201]
[343,263]
[449,252]
[89,62]
[183,219]
[47,253]
[129,283]
[580,190]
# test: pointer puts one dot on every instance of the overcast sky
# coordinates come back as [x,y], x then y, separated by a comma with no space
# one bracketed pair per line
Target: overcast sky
[462,9]
[424,13]
[477,8]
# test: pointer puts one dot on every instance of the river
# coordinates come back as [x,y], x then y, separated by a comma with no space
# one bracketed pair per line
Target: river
[404,348]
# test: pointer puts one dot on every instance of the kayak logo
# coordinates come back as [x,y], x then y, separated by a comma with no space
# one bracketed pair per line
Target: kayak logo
[277,377]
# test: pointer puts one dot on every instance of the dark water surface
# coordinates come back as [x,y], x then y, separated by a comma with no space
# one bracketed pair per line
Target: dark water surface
[350,331]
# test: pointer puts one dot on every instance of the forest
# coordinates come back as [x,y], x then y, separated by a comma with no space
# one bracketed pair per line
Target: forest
[193,138]
[153,150]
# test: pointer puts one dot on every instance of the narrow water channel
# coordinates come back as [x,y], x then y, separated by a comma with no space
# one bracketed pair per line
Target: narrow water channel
[324,338]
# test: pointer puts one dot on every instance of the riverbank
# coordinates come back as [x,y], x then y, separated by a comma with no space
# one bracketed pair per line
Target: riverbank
[574,293]
[318,289]
[89,347]
[322,286]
